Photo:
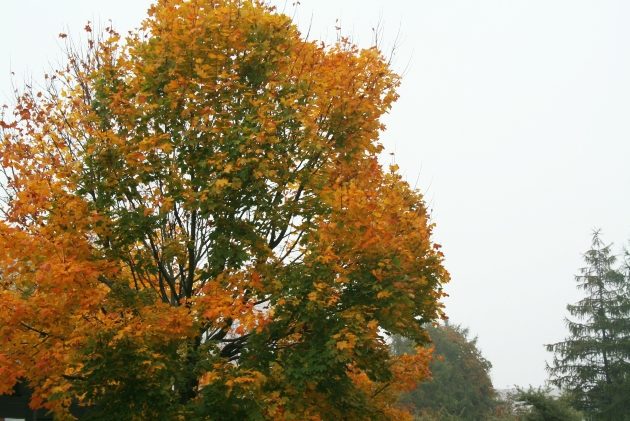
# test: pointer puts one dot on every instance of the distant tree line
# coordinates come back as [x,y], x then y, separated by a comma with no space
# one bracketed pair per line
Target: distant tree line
[590,369]
[460,384]
[460,388]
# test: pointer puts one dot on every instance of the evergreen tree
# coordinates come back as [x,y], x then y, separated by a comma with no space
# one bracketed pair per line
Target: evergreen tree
[593,363]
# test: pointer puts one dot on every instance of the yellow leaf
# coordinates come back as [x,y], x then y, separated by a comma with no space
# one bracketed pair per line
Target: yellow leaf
[383,294]
[341,345]
[221,182]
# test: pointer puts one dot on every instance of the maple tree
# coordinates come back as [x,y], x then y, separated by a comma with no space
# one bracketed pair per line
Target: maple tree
[195,223]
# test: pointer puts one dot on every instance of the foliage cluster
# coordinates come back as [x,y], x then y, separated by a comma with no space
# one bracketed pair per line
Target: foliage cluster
[537,405]
[460,386]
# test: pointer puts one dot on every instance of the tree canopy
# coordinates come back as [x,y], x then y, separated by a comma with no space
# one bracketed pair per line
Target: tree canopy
[195,222]
[460,387]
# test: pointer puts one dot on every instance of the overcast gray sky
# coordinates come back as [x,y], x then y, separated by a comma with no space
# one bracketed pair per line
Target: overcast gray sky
[513,119]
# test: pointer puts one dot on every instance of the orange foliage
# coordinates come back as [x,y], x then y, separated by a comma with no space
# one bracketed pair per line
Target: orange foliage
[195,215]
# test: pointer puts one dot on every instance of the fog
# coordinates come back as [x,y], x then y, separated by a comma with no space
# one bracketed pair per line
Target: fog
[512,119]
